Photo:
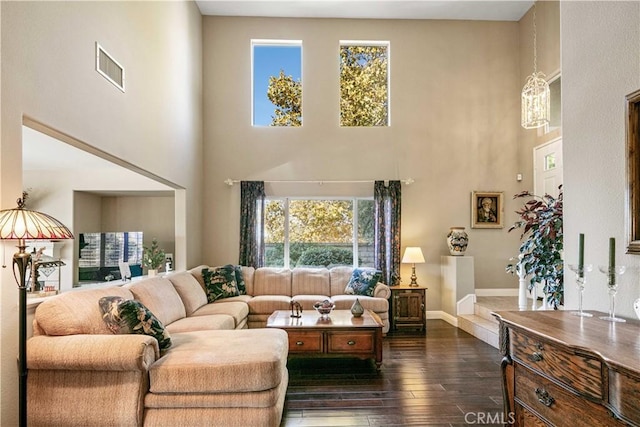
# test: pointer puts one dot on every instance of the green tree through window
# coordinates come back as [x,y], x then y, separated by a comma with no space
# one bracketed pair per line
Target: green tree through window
[286,94]
[364,88]
[318,232]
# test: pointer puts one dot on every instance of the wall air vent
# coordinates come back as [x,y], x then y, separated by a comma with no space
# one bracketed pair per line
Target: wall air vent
[109,67]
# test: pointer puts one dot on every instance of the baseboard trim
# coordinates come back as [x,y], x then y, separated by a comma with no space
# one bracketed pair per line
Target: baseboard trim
[442,315]
[498,292]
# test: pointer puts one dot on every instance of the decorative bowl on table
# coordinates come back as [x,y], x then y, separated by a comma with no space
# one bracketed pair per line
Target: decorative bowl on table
[324,308]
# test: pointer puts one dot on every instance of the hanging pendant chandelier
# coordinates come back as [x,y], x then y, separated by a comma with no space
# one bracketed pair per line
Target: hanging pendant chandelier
[535,93]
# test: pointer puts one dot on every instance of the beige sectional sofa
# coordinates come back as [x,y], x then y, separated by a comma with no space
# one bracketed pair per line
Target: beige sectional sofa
[270,289]
[222,368]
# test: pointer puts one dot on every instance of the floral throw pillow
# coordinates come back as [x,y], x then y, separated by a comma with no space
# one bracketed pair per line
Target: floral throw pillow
[242,288]
[132,317]
[220,282]
[363,281]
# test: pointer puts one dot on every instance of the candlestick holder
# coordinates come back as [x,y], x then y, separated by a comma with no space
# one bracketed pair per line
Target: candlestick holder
[580,282]
[613,274]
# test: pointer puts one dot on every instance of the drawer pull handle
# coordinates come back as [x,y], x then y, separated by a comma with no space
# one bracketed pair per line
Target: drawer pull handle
[536,357]
[299,342]
[539,346]
[544,398]
[351,342]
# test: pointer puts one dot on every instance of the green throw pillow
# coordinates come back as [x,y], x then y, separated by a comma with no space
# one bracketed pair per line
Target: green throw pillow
[242,288]
[363,281]
[132,317]
[220,282]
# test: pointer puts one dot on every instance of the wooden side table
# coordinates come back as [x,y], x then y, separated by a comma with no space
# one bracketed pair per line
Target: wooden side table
[407,307]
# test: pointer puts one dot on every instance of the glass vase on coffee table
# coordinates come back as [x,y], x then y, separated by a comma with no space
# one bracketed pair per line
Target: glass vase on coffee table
[580,282]
[613,274]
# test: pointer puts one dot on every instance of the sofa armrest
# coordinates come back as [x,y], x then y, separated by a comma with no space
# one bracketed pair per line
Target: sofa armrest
[382,291]
[92,352]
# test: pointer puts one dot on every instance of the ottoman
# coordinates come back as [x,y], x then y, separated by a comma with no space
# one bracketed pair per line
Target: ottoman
[221,378]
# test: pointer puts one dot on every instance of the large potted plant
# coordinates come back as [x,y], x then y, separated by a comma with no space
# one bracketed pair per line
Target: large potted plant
[542,244]
[153,257]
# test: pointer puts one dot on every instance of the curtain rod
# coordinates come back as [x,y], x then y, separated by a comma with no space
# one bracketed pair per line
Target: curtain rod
[407,181]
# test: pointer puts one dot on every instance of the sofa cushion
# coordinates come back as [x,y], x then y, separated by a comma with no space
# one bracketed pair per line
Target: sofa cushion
[76,312]
[267,304]
[132,317]
[237,310]
[192,295]
[220,282]
[344,302]
[272,281]
[202,323]
[307,301]
[239,298]
[310,281]
[339,278]
[247,275]
[159,295]
[197,273]
[210,362]
[363,281]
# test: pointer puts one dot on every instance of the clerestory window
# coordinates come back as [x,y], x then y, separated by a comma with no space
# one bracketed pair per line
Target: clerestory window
[364,83]
[276,82]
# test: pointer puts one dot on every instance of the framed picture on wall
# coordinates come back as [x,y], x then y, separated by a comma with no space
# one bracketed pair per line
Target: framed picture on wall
[487,209]
[632,194]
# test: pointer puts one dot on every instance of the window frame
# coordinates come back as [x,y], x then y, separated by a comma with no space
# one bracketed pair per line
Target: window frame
[354,236]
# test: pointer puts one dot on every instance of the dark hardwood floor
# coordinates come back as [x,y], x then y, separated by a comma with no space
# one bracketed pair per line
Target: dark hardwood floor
[446,378]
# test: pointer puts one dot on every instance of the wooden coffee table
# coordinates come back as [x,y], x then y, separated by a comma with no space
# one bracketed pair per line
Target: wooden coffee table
[339,335]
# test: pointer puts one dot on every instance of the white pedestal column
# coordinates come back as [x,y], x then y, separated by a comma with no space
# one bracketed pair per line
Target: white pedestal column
[458,281]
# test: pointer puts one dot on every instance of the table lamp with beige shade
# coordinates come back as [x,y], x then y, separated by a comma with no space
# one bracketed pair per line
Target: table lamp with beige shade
[413,255]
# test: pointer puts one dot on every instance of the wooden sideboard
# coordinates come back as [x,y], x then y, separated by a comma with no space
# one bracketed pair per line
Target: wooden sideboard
[559,369]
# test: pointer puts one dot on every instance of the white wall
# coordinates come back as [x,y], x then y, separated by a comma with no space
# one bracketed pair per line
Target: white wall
[455,109]
[48,74]
[600,65]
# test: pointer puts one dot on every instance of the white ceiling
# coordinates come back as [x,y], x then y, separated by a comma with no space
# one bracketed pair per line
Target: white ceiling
[500,10]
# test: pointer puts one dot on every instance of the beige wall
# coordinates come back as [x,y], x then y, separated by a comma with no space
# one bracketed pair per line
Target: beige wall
[600,65]
[548,55]
[131,214]
[455,123]
[48,73]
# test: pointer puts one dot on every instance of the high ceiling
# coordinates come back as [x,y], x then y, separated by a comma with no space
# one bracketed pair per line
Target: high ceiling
[501,10]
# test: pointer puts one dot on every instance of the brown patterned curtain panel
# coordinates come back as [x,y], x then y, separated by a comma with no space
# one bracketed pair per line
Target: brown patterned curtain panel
[252,201]
[387,255]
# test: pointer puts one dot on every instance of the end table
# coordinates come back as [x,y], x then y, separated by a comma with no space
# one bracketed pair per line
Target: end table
[408,307]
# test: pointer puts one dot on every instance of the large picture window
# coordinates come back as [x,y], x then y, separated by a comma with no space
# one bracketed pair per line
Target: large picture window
[364,83]
[277,82]
[319,232]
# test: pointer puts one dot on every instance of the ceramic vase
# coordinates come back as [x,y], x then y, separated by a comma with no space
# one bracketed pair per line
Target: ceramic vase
[357,309]
[152,272]
[457,240]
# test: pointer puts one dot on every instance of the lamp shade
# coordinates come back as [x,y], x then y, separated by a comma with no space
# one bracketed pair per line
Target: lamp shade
[25,224]
[413,255]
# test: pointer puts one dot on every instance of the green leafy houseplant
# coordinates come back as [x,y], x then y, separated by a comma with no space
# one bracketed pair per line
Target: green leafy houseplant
[542,244]
[153,257]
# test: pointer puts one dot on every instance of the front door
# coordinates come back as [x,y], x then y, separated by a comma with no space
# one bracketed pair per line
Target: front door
[547,177]
[547,168]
